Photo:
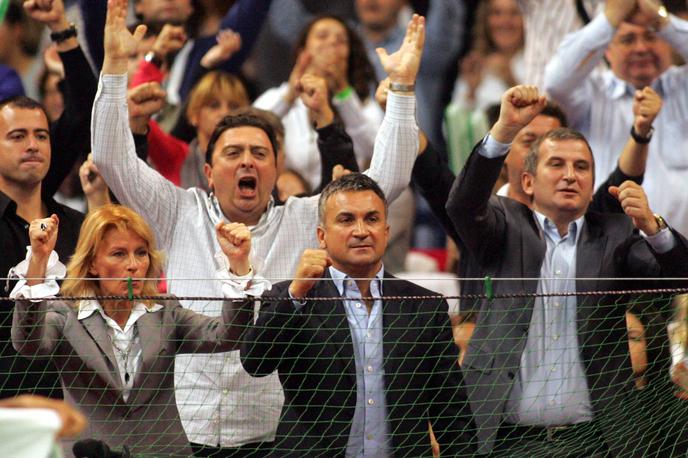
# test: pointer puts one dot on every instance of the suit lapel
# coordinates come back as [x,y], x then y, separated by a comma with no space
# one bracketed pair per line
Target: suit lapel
[395,325]
[334,325]
[149,329]
[96,327]
[533,248]
[589,255]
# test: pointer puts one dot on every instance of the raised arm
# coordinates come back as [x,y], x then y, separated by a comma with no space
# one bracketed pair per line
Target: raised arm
[396,144]
[132,181]
[566,75]
[478,223]
[69,135]
[646,106]
[35,331]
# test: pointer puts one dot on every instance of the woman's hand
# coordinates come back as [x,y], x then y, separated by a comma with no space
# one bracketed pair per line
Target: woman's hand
[43,236]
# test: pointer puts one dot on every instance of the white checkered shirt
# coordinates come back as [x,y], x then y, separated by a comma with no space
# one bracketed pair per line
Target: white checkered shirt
[219,403]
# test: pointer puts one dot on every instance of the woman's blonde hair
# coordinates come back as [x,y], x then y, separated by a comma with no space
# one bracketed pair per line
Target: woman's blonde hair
[91,235]
[216,85]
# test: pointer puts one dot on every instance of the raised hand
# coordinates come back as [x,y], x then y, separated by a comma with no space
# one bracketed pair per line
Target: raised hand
[48,12]
[94,186]
[302,63]
[235,242]
[649,14]
[228,43]
[170,40]
[43,236]
[144,101]
[646,106]
[634,202]
[311,268]
[402,66]
[520,105]
[339,171]
[118,42]
[618,11]
[314,94]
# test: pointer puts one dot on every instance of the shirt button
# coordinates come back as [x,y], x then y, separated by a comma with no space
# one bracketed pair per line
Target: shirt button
[371,402]
[369,335]
[370,437]
[216,421]
[558,272]
[555,337]
[552,402]
[557,304]
[370,368]
[225,392]
[358,305]
[553,369]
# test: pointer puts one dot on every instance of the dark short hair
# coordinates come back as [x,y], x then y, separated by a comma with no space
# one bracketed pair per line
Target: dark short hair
[23,102]
[240,119]
[552,110]
[557,135]
[356,182]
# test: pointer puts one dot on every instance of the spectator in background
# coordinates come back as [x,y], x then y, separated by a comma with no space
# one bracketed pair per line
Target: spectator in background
[37,156]
[493,64]
[327,48]
[15,51]
[547,23]
[246,18]
[10,83]
[636,38]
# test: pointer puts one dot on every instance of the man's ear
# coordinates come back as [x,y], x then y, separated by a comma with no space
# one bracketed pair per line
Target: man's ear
[527,183]
[208,169]
[320,232]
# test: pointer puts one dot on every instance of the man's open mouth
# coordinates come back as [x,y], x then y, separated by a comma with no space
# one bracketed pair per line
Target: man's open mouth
[247,184]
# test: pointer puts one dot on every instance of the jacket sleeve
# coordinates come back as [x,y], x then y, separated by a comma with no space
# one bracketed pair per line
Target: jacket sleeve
[449,413]
[70,135]
[197,333]
[36,330]
[335,147]
[480,223]
[266,342]
[433,178]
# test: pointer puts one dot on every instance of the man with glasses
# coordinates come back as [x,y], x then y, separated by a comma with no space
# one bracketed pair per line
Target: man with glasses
[636,38]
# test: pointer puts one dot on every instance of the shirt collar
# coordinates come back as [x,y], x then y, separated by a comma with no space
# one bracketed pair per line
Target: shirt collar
[617,88]
[89,307]
[550,229]
[341,280]
[6,203]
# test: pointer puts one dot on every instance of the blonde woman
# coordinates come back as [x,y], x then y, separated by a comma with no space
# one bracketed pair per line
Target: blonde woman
[117,355]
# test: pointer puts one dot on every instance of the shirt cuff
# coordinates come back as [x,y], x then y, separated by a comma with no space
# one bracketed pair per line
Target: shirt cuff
[49,288]
[492,149]
[662,241]
[298,305]
[113,87]
[235,286]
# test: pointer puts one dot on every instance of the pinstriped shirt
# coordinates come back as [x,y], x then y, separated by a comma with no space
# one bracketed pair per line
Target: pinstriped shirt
[219,403]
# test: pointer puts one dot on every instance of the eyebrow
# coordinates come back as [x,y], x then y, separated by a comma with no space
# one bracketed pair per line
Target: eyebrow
[25,130]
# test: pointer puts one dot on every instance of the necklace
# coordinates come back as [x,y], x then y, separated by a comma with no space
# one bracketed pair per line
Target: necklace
[124,353]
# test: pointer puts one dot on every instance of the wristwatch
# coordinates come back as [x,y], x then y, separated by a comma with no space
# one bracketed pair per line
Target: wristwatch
[153,58]
[661,224]
[64,35]
[640,139]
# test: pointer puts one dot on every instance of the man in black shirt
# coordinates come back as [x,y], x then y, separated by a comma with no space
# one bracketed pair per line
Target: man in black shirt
[29,178]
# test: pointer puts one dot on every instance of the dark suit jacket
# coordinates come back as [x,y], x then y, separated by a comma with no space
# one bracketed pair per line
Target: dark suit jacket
[148,421]
[312,351]
[502,240]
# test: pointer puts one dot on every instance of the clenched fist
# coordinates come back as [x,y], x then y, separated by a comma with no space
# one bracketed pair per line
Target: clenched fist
[311,268]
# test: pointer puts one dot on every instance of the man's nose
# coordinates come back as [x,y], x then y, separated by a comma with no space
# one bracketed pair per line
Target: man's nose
[33,143]
[247,159]
[360,229]
[570,173]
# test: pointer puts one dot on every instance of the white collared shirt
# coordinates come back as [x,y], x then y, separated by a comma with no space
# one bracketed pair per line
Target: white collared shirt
[126,343]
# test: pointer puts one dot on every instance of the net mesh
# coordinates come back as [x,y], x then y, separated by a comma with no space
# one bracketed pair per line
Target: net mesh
[417,374]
